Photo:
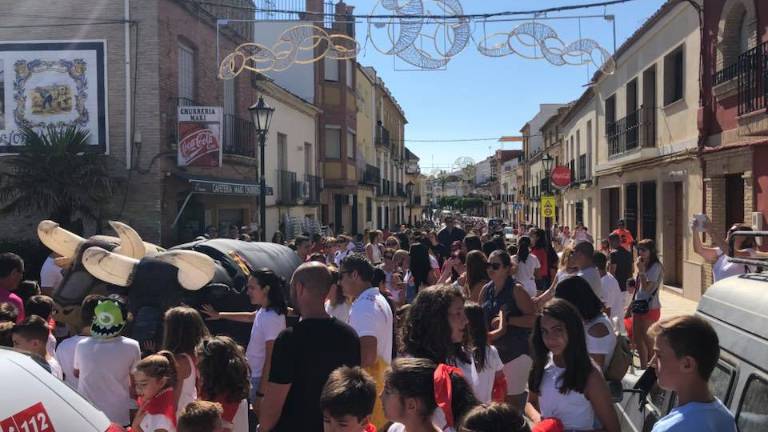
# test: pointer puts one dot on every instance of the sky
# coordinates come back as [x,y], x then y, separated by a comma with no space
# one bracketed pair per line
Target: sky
[483,97]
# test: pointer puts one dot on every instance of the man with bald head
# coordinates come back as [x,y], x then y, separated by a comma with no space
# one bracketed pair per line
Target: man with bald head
[303,356]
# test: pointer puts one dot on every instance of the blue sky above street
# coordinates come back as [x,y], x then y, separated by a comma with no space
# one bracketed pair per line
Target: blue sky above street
[478,96]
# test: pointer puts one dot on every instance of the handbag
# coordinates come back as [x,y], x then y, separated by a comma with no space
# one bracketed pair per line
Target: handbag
[620,360]
[644,306]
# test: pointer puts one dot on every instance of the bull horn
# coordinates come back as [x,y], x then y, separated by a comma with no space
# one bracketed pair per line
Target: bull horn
[109,267]
[57,239]
[195,269]
[131,244]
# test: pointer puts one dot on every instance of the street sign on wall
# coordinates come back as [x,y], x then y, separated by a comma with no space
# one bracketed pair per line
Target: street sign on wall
[199,132]
[547,205]
[561,176]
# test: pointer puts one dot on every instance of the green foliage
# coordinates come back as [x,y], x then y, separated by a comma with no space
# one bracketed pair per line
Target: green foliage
[460,203]
[57,174]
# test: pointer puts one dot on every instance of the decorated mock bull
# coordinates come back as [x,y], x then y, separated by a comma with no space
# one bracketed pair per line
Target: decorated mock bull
[153,279]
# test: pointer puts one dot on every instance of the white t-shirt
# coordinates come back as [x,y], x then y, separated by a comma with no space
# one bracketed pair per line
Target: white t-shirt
[433,262]
[563,275]
[614,298]
[266,326]
[65,355]
[723,268]
[526,272]
[55,368]
[50,345]
[340,311]
[591,275]
[152,422]
[601,345]
[50,274]
[105,367]
[484,387]
[370,315]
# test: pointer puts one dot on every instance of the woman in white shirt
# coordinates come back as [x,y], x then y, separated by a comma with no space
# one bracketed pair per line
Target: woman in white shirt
[336,304]
[600,336]
[265,289]
[744,247]
[526,265]
[564,383]
[183,331]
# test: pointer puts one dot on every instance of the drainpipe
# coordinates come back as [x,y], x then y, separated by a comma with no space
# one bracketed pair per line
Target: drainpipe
[704,104]
[128,92]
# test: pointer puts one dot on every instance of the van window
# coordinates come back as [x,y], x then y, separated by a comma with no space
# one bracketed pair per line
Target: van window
[753,409]
[721,381]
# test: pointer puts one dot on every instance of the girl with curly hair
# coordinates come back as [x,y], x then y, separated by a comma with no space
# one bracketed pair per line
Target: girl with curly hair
[224,379]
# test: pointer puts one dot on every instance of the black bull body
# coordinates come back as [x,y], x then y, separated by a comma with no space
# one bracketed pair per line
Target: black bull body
[154,286]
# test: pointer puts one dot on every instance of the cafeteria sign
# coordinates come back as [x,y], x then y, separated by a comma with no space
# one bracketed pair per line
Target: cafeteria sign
[199,132]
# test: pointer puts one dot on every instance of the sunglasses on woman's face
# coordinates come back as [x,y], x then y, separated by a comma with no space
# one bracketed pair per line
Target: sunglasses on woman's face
[494,266]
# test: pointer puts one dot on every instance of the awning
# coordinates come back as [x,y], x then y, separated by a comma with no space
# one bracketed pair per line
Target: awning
[217,186]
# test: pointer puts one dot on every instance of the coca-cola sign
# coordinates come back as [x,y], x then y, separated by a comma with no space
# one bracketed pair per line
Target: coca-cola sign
[561,176]
[199,136]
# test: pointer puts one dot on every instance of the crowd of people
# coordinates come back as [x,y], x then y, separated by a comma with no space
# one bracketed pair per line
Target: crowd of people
[418,330]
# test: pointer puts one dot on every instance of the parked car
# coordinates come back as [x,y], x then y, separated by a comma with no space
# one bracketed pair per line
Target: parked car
[35,400]
[737,307]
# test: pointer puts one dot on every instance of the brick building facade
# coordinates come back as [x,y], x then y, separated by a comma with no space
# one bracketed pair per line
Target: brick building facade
[169,41]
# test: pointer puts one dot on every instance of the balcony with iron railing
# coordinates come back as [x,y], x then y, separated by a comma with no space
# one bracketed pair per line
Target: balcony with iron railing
[382,136]
[239,136]
[752,77]
[287,188]
[371,175]
[401,191]
[314,187]
[384,190]
[637,129]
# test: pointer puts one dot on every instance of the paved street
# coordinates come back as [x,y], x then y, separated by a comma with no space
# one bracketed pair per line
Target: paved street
[673,304]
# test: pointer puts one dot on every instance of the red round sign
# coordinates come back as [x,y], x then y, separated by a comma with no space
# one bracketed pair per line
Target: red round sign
[561,176]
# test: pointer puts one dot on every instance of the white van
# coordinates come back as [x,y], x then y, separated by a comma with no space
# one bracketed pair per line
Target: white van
[737,308]
[31,399]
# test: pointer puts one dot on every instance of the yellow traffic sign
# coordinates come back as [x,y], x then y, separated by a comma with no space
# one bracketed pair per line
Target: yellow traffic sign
[547,205]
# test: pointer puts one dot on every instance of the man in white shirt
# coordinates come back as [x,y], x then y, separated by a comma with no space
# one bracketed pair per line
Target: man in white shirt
[583,255]
[371,317]
[614,298]
[65,352]
[104,361]
[50,275]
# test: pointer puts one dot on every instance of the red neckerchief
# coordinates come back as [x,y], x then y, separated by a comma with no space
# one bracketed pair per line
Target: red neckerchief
[443,389]
[162,403]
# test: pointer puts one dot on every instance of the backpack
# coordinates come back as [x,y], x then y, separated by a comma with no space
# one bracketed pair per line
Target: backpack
[620,361]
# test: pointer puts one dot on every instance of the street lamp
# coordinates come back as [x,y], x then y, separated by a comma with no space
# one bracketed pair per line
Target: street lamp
[547,160]
[261,113]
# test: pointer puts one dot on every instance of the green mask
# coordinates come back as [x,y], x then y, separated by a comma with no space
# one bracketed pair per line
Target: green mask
[108,320]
